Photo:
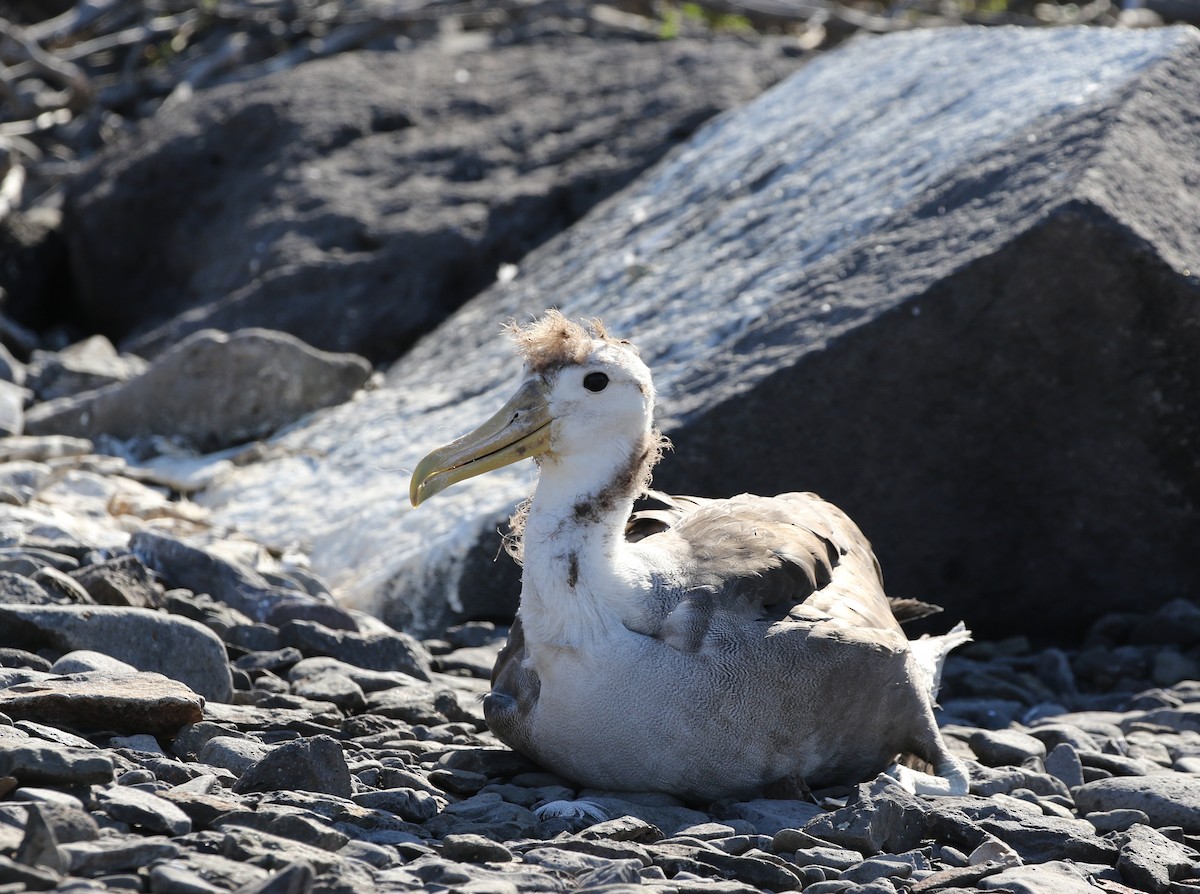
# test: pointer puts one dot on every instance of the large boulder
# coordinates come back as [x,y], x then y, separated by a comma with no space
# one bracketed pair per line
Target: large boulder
[355,201]
[947,279]
[212,390]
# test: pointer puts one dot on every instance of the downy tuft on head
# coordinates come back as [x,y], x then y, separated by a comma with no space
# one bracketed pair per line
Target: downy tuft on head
[553,341]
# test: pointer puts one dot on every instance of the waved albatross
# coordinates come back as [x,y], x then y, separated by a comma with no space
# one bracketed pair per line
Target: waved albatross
[709,648]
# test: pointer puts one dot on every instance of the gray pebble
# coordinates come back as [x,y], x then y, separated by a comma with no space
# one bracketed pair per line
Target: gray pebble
[468,848]
[145,810]
[313,764]
[1063,763]
[50,765]
[118,854]
[409,804]
[170,877]
[1150,861]
[877,868]
[997,748]
[833,857]
[390,651]
[234,753]
[1115,820]
[1168,799]
[296,824]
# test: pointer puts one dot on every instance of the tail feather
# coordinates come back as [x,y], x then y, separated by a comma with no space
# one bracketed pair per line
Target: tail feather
[930,653]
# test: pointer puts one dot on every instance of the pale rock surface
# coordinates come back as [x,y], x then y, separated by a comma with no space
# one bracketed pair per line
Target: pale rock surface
[866,283]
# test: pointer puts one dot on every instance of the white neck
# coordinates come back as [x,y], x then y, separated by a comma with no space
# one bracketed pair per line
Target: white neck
[578,580]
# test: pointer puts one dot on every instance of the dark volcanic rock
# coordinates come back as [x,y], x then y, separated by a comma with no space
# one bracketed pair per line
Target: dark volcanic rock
[959,292]
[37,763]
[201,571]
[150,641]
[355,201]
[384,651]
[133,702]
[212,390]
[1167,799]
[120,581]
[314,764]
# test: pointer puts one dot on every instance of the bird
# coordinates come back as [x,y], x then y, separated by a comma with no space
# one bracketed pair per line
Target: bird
[703,648]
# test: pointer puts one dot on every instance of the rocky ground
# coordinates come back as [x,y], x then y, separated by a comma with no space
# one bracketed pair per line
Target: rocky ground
[184,720]
[186,711]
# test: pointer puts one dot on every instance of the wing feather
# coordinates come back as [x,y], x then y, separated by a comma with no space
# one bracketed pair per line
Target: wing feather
[791,558]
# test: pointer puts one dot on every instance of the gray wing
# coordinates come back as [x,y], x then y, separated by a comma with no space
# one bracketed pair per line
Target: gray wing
[790,558]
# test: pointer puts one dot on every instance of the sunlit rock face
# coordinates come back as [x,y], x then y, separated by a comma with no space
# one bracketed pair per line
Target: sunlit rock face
[947,279]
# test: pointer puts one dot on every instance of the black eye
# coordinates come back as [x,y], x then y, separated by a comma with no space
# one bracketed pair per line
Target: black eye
[595,381]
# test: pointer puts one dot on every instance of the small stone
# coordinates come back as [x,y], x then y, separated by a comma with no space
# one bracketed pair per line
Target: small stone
[235,753]
[274,851]
[53,734]
[876,868]
[997,748]
[489,762]
[23,659]
[830,886]
[203,571]
[143,742]
[295,878]
[190,739]
[64,815]
[39,847]
[1116,820]
[149,640]
[883,817]
[299,825]
[274,660]
[84,660]
[769,816]
[42,448]
[228,874]
[33,763]
[120,581]
[105,856]
[61,586]
[409,804]
[993,851]
[30,878]
[486,814]
[468,848]
[1168,799]
[987,781]
[174,878]
[752,870]
[1057,876]
[1149,861]
[139,808]
[332,687]
[372,854]
[12,408]
[99,700]
[1063,763]
[1039,839]
[624,829]
[296,608]
[385,651]
[17,589]
[1117,764]
[203,809]
[834,857]
[1055,733]
[314,764]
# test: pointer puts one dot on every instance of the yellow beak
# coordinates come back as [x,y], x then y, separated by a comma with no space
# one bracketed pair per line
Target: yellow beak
[520,429]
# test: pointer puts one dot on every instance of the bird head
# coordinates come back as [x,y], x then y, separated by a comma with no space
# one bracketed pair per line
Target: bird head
[585,396]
